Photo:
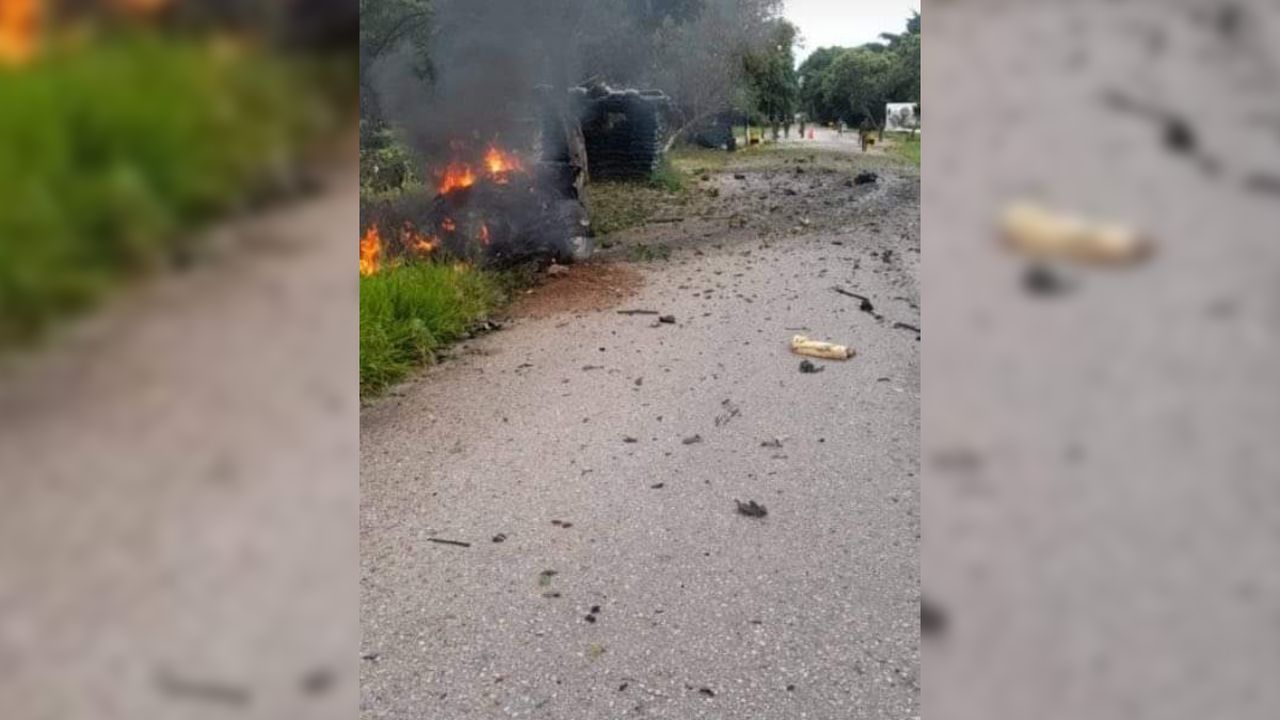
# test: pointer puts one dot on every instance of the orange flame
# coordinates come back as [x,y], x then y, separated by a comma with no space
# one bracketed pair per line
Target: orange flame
[448,225]
[484,234]
[20,22]
[370,251]
[417,242]
[457,176]
[500,164]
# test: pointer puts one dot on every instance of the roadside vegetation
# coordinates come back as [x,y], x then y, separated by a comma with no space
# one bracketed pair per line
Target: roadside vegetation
[855,84]
[113,149]
[408,313]
[714,59]
[905,146]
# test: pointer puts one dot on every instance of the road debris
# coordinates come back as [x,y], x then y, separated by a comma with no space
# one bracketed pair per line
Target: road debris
[202,690]
[500,538]
[905,326]
[317,681]
[751,508]
[802,345]
[638,312]
[1041,279]
[864,306]
[775,443]
[731,411]
[455,543]
[932,620]
[692,440]
[808,368]
[667,319]
[1042,234]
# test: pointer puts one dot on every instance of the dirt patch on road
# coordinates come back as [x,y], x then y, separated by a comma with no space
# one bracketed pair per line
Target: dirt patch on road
[585,287]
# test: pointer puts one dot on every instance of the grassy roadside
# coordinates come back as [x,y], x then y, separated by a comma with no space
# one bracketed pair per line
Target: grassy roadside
[113,150]
[618,205]
[409,312]
[906,146]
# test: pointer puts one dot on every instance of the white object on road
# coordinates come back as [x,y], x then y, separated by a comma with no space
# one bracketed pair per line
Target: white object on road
[1045,235]
[802,345]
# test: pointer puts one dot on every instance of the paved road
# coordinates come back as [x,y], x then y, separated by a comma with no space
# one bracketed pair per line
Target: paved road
[1101,465]
[627,584]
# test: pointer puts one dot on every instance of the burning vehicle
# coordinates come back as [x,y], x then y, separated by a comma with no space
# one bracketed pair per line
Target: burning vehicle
[491,205]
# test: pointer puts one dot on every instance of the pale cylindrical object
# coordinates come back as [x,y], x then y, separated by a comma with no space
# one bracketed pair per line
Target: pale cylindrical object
[1044,235]
[802,345]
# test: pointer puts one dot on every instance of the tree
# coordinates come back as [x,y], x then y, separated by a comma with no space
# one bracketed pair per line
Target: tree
[389,27]
[811,71]
[854,84]
[772,76]
[858,85]
[701,64]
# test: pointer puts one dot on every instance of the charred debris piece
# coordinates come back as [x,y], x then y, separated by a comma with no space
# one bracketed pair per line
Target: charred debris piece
[1045,281]
[865,178]
[808,368]
[864,304]
[751,509]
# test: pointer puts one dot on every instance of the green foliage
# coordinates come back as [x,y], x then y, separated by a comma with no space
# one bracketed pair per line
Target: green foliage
[110,150]
[643,252]
[386,28]
[409,312]
[771,74]
[906,146]
[854,84]
[667,177]
[386,164]
[858,84]
[618,205]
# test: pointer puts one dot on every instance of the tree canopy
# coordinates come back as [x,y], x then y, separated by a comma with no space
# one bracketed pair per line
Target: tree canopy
[854,84]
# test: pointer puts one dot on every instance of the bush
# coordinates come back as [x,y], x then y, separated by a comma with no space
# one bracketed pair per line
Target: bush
[409,312]
[109,151]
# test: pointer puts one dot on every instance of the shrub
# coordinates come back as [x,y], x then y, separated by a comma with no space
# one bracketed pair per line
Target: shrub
[111,150]
[409,312]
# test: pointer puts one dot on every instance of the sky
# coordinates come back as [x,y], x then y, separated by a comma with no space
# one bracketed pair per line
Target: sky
[847,23]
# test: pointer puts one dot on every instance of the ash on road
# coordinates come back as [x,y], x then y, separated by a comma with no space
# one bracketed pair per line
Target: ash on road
[626,583]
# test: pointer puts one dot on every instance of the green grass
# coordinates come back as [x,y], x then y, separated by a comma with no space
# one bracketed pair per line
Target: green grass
[669,178]
[906,146]
[619,205]
[112,151]
[643,252]
[409,312]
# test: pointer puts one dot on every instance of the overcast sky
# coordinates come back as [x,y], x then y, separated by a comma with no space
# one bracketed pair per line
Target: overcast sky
[846,22]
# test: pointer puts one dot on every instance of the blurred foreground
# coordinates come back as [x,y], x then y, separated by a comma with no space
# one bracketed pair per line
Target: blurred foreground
[1101,496]
[177,525]
[177,532]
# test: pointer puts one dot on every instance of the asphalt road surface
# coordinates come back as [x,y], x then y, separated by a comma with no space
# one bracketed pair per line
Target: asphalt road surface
[592,461]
